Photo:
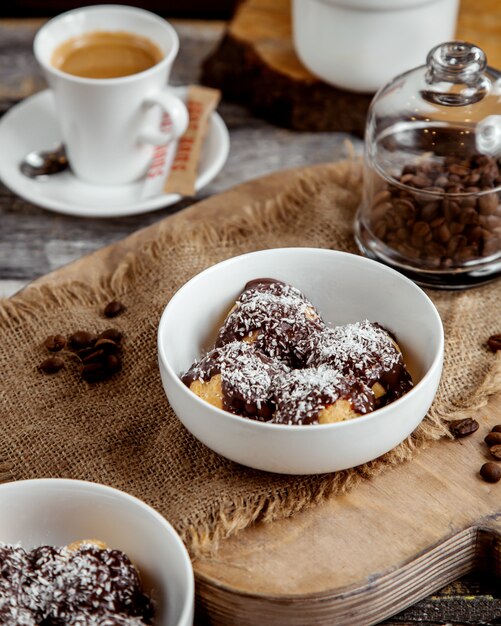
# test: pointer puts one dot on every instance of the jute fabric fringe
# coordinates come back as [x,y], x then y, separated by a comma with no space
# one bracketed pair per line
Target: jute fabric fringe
[123,433]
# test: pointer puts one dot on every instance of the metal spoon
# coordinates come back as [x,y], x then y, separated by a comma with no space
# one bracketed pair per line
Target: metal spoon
[41,163]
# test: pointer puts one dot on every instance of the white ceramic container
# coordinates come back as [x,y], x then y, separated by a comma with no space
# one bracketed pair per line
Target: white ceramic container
[58,512]
[344,288]
[361,45]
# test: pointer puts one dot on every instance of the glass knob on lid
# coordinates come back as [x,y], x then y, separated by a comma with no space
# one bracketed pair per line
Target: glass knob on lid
[431,202]
[457,63]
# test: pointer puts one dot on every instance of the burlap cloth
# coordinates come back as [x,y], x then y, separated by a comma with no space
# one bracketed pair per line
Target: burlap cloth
[123,433]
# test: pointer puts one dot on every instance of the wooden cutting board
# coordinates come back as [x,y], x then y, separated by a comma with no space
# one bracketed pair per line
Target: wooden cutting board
[355,559]
[359,558]
[256,64]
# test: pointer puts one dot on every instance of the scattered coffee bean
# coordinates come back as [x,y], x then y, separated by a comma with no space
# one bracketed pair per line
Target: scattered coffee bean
[81,339]
[113,364]
[114,308]
[107,345]
[55,343]
[491,472]
[84,352]
[104,366]
[52,365]
[463,427]
[496,429]
[494,342]
[111,333]
[95,356]
[493,439]
[94,372]
[496,451]
[98,354]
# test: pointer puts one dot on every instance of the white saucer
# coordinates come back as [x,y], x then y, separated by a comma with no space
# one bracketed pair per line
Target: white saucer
[31,125]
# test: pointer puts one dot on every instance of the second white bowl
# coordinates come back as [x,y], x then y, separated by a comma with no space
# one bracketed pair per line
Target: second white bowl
[58,512]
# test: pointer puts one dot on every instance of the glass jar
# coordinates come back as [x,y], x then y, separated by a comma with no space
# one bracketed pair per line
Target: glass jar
[431,203]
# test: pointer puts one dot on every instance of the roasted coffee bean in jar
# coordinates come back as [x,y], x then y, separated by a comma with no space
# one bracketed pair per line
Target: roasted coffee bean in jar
[432,181]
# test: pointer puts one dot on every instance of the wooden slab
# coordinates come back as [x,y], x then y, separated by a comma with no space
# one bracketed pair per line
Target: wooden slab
[355,559]
[359,558]
[255,64]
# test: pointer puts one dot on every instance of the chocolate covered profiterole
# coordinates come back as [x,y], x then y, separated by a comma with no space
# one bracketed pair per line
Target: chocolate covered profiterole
[236,377]
[272,315]
[319,395]
[275,360]
[364,350]
[82,585]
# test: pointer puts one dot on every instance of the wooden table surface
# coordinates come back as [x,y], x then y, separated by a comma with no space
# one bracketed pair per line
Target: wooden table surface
[34,241]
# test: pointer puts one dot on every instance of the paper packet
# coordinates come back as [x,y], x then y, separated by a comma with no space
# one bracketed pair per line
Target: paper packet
[174,166]
[201,102]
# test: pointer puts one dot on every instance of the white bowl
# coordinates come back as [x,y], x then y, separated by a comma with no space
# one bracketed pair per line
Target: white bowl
[362,44]
[58,511]
[344,288]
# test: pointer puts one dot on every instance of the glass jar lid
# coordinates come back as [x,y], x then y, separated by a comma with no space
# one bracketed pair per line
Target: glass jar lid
[450,106]
[432,203]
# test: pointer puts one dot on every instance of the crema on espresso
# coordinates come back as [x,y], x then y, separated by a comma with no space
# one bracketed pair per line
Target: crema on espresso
[103,54]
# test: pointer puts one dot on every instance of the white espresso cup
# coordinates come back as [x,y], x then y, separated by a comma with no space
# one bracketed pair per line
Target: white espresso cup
[111,125]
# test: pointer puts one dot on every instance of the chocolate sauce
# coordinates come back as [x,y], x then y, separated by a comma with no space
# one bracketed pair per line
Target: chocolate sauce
[52,586]
[262,281]
[302,394]
[274,316]
[246,378]
[365,350]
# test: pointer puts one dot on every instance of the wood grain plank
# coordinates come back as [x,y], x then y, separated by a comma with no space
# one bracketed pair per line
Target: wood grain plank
[9,287]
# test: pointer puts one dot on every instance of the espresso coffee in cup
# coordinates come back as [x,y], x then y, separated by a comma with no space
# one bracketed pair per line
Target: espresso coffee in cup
[108,67]
[106,54]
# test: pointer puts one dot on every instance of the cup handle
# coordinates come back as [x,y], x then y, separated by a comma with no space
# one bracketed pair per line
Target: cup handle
[178,113]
